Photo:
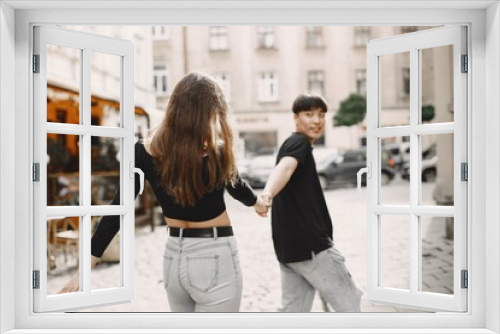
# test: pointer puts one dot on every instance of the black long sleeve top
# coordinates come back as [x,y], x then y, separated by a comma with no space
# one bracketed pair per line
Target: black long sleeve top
[208,207]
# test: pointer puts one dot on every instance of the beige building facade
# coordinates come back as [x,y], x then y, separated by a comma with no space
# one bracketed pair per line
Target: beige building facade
[263,69]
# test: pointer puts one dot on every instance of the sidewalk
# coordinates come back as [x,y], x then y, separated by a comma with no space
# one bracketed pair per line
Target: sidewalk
[261,292]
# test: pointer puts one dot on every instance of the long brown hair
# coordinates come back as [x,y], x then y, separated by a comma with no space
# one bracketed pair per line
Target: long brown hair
[188,133]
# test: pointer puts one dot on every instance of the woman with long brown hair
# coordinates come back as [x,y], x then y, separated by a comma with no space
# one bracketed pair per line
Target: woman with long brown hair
[189,162]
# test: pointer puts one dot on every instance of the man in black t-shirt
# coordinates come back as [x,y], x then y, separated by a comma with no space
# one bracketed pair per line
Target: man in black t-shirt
[301,224]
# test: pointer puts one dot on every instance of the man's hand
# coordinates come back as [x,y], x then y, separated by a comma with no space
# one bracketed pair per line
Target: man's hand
[266,198]
[262,205]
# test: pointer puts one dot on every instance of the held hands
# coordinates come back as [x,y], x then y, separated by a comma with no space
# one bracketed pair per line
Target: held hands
[263,204]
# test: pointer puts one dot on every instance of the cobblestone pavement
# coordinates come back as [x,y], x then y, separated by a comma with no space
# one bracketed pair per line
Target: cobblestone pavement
[261,292]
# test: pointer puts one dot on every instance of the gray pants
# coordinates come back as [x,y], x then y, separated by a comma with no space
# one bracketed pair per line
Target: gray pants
[325,272]
[202,274]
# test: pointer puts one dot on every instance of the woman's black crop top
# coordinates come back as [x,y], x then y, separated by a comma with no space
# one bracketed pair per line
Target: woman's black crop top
[208,207]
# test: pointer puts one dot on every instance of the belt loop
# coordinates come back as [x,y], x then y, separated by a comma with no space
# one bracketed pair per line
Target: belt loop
[168,230]
[313,255]
[215,232]
[180,234]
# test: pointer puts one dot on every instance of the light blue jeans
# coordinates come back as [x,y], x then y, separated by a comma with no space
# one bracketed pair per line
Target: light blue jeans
[325,272]
[202,274]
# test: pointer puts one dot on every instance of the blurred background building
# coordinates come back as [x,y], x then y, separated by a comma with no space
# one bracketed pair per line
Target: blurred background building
[263,69]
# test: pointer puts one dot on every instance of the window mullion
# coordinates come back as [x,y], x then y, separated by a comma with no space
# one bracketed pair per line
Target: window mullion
[127,220]
[85,168]
[414,179]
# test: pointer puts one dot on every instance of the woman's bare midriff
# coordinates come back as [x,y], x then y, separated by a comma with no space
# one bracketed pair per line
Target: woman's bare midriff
[220,220]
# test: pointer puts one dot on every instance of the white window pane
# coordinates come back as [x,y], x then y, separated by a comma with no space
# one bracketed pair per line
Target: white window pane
[395,266]
[63,170]
[437,248]
[105,167]
[105,81]
[436,82]
[63,245]
[395,89]
[63,70]
[107,273]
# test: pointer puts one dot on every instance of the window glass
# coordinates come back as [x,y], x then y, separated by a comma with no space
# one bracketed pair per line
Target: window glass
[437,85]
[362,35]
[266,37]
[437,169]
[63,84]
[316,82]
[314,37]
[63,256]
[105,81]
[105,166]
[437,254]
[218,38]
[395,89]
[268,87]
[63,170]
[107,273]
[395,265]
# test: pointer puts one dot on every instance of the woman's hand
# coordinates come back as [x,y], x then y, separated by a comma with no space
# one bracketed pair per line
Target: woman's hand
[73,284]
[263,204]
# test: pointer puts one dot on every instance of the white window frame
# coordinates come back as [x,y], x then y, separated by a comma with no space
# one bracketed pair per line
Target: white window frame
[266,37]
[360,76]
[414,211]
[159,75]
[315,37]
[312,78]
[483,211]
[218,38]
[225,82]
[124,52]
[362,35]
[267,87]
[160,33]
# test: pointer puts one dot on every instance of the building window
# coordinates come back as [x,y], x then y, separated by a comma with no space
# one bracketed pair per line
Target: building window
[406,82]
[160,32]
[362,35]
[266,37]
[225,82]
[160,79]
[218,38]
[268,87]
[316,82]
[408,29]
[314,37]
[361,82]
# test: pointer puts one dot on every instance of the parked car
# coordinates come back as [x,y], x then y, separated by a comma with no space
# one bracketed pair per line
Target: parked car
[333,168]
[260,167]
[342,169]
[429,166]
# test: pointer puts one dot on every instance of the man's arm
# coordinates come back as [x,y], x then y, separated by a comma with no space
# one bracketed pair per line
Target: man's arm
[279,178]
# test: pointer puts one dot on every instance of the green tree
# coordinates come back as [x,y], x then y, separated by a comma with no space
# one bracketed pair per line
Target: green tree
[427,113]
[352,111]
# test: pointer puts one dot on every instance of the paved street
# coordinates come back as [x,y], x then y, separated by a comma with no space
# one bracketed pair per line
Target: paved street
[260,268]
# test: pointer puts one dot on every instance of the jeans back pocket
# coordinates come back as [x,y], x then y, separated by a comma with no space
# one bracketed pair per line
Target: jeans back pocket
[202,271]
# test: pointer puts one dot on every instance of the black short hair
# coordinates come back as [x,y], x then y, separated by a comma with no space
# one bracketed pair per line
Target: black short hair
[307,102]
